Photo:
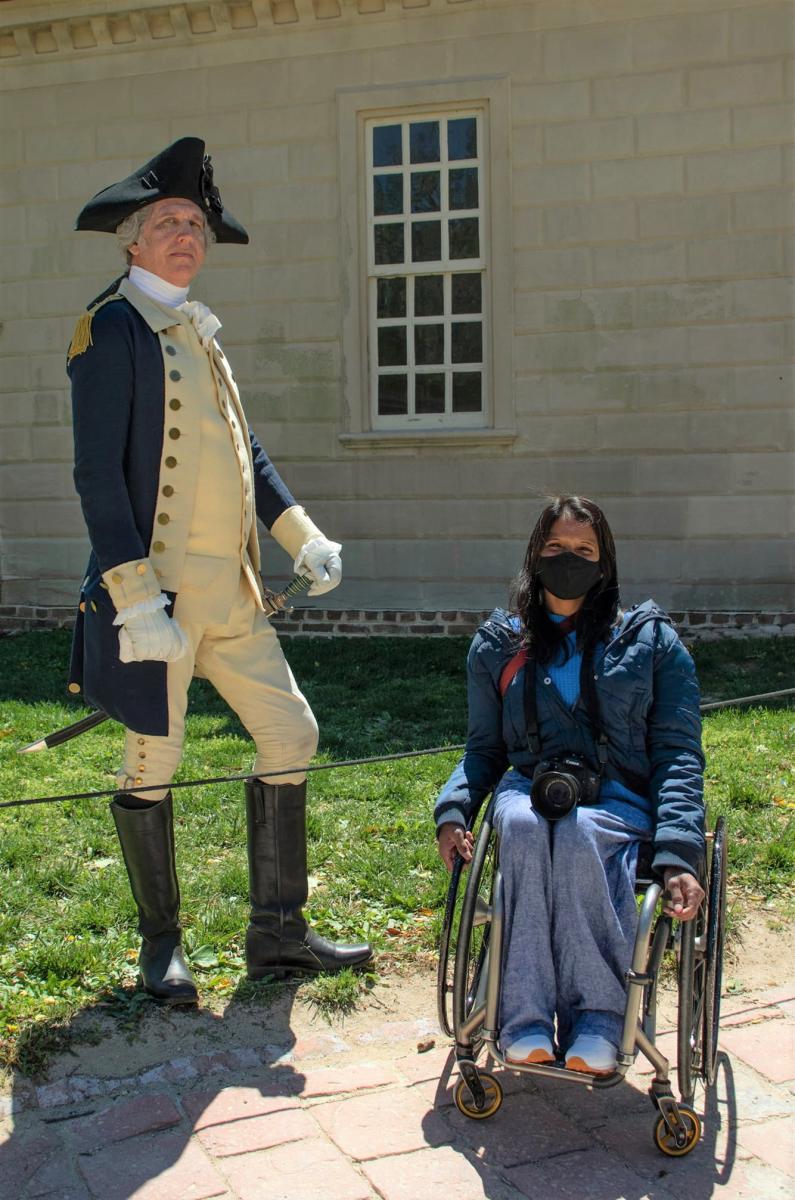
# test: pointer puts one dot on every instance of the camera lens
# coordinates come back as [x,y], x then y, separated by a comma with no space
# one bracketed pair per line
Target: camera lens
[559,794]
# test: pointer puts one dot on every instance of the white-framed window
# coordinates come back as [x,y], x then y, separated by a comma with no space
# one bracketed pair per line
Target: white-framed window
[427,264]
[426,270]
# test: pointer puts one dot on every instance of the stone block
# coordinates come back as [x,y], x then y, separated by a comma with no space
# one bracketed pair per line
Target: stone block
[760,429]
[661,91]
[383,1123]
[165,1168]
[596,50]
[769,1048]
[735,84]
[549,101]
[555,351]
[67,143]
[638,431]
[762,473]
[527,145]
[26,185]
[686,474]
[251,165]
[560,433]
[638,177]
[667,133]
[597,474]
[680,40]
[82,102]
[312,1169]
[678,303]
[291,124]
[639,262]
[764,123]
[743,254]
[12,228]
[313,161]
[690,389]
[561,183]
[608,222]
[641,347]
[526,227]
[764,298]
[755,32]
[587,140]
[36,481]
[763,210]
[588,309]
[745,343]
[740,516]
[517,54]
[16,445]
[178,93]
[553,268]
[78,181]
[317,77]
[684,216]
[15,373]
[243,1135]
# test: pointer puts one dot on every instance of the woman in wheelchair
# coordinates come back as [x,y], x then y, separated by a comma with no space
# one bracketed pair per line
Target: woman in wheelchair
[584,722]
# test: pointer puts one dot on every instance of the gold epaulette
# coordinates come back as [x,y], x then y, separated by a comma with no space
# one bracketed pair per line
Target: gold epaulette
[81,338]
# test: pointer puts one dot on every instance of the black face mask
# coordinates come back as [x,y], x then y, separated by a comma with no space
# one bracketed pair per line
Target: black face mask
[568,576]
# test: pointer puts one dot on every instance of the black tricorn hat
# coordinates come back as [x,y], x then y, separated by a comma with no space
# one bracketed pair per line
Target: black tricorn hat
[181,171]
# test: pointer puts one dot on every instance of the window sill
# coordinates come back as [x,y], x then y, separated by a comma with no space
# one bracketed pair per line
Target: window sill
[389,439]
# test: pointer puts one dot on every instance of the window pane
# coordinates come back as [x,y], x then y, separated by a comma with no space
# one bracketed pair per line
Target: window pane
[393,395]
[464,240]
[392,296]
[387,146]
[389,244]
[426,194]
[462,138]
[426,241]
[466,341]
[465,294]
[428,344]
[392,346]
[466,392]
[463,187]
[388,195]
[429,393]
[429,296]
[424,141]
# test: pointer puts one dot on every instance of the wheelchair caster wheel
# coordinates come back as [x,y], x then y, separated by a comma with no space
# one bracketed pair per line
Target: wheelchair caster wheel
[664,1140]
[465,1103]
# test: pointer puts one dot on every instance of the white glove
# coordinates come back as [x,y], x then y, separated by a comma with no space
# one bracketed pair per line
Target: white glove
[147,633]
[320,558]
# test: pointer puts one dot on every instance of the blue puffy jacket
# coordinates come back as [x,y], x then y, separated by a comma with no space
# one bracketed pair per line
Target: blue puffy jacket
[649,707]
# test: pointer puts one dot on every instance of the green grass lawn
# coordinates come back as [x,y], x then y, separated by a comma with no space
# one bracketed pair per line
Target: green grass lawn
[67,921]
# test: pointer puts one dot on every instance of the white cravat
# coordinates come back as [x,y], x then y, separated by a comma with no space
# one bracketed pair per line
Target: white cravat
[204,321]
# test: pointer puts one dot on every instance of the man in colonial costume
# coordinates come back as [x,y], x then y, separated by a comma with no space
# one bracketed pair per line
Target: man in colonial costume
[171,481]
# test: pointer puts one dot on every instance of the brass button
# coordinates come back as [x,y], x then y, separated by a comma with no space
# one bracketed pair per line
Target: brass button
[93,606]
[168,490]
[171,461]
[158,547]
[74,687]
[171,350]
[163,519]
[173,434]
[142,754]
[141,742]
[116,577]
[141,767]
[82,606]
[139,780]
[175,375]
[174,403]
[140,569]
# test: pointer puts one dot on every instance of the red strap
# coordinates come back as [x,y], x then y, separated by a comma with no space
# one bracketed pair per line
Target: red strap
[511,668]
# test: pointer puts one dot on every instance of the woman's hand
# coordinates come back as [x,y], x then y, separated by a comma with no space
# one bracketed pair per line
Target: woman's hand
[683,894]
[453,840]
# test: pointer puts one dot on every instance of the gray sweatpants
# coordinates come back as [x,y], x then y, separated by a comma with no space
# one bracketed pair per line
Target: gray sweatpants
[570,915]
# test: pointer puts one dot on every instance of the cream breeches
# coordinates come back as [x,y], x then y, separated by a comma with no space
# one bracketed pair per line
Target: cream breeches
[243,660]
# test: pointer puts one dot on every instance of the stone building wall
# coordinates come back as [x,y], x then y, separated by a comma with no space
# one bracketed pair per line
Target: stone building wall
[647,215]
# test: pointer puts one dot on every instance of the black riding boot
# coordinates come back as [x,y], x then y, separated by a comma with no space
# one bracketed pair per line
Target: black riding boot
[147,843]
[279,940]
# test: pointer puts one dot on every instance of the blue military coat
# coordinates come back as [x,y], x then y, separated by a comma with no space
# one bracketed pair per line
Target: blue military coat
[119,409]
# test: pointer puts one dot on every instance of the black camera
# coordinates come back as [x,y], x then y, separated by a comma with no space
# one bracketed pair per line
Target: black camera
[560,783]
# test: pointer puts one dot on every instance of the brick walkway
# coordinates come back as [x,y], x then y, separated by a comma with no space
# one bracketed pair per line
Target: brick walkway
[374,1120]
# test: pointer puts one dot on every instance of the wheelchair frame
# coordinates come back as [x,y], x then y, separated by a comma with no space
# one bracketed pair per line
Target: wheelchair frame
[472,934]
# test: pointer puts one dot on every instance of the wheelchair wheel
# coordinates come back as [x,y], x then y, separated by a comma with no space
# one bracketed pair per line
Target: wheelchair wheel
[692,990]
[474,929]
[664,1139]
[715,937]
[447,943]
[466,1105]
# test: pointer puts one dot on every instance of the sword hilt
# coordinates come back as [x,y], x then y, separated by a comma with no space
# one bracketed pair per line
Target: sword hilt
[276,602]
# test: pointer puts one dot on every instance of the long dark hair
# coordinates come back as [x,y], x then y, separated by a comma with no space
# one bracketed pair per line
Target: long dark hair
[600,609]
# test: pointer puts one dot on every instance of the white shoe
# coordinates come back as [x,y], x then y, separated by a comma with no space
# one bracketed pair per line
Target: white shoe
[593,1054]
[533,1048]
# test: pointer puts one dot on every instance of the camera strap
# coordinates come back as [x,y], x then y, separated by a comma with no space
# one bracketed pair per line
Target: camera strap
[590,698]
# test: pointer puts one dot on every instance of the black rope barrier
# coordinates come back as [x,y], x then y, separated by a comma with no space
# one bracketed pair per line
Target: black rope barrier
[332,766]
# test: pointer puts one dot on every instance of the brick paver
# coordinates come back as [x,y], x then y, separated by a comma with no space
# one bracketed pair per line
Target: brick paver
[257,1133]
[444,1172]
[143,1114]
[768,1048]
[592,1175]
[772,1141]
[233,1104]
[526,1128]
[330,1081]
[392,1122]
[165,1167]
[309,1170]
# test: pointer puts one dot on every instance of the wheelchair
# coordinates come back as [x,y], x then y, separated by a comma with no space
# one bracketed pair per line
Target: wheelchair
[469,978]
